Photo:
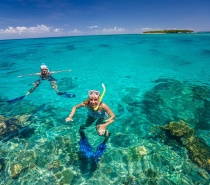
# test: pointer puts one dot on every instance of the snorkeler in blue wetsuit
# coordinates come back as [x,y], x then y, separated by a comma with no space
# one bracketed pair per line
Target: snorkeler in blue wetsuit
[45,74]
[97,112]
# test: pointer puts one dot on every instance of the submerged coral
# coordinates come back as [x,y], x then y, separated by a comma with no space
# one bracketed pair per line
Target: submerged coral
[133,155]
[13,125]
[171,99]
[15,170]
[199,151]
[179,129]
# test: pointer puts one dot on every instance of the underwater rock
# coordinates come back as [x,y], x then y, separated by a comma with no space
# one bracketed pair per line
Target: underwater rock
[129,180]
[55,164]
[44,152]
[14,126]
[24,119]
[122,140]
[65,177]
[23,132]
[199,151]
[141,150]
[120,109]
[150,173]
[67,82]
[204,174]
[27,157]
[171,100]
[2,163]
[15,170]
[165,181]
[8,126]
[3,128]
[184,180]
[135,153]
[62,142]
[130,99]
[201,92]
[179,129]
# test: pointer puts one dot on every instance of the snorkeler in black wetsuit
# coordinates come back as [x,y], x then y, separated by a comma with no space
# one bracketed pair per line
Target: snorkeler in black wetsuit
[45,74]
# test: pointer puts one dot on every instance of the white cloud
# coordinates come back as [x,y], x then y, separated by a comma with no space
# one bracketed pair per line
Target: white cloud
[91,27]
[31,32]
[47,31]
[23,29]
[114,30]
[75,32]
[58,30]
[149,29]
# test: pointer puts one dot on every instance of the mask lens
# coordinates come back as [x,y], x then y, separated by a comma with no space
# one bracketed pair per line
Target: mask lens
[93,92]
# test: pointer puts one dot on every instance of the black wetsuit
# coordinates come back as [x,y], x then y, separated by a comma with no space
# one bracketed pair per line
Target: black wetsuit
[49,78]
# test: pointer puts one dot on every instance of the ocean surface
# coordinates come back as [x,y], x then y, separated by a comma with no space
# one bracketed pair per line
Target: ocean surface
[151,81]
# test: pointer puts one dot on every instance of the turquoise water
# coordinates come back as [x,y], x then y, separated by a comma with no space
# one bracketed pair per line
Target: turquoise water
[151,80]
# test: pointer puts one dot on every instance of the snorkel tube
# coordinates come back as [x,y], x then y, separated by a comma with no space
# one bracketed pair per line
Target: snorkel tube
[101,97]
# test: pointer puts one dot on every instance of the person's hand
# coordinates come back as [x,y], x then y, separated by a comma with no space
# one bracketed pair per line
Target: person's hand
[69,119]
[101,129]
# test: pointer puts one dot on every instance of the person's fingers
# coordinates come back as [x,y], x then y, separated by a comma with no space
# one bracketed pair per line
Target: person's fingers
[69,119]
[101,132]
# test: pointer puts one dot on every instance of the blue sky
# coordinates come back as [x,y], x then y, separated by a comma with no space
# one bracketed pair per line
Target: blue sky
[49,18]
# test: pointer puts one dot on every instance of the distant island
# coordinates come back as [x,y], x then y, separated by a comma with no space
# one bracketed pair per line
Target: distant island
[169,31]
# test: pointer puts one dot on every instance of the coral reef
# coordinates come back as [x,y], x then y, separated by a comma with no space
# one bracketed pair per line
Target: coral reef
[134,155]
[171,100]
[15,170]
[198,150]
[8,126]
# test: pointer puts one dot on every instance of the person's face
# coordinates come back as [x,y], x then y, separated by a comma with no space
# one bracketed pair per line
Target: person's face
[44,71]
[93,99]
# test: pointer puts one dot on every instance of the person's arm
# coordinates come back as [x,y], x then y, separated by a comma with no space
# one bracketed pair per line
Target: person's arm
[34,74]
[110,113]
[53,72]
[69,118]
[102,127]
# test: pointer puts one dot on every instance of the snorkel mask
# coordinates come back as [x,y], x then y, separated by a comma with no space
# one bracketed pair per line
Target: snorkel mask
[93,92]
[43,66]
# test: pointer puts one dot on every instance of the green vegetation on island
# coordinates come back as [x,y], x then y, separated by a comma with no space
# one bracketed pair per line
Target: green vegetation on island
[169,31]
